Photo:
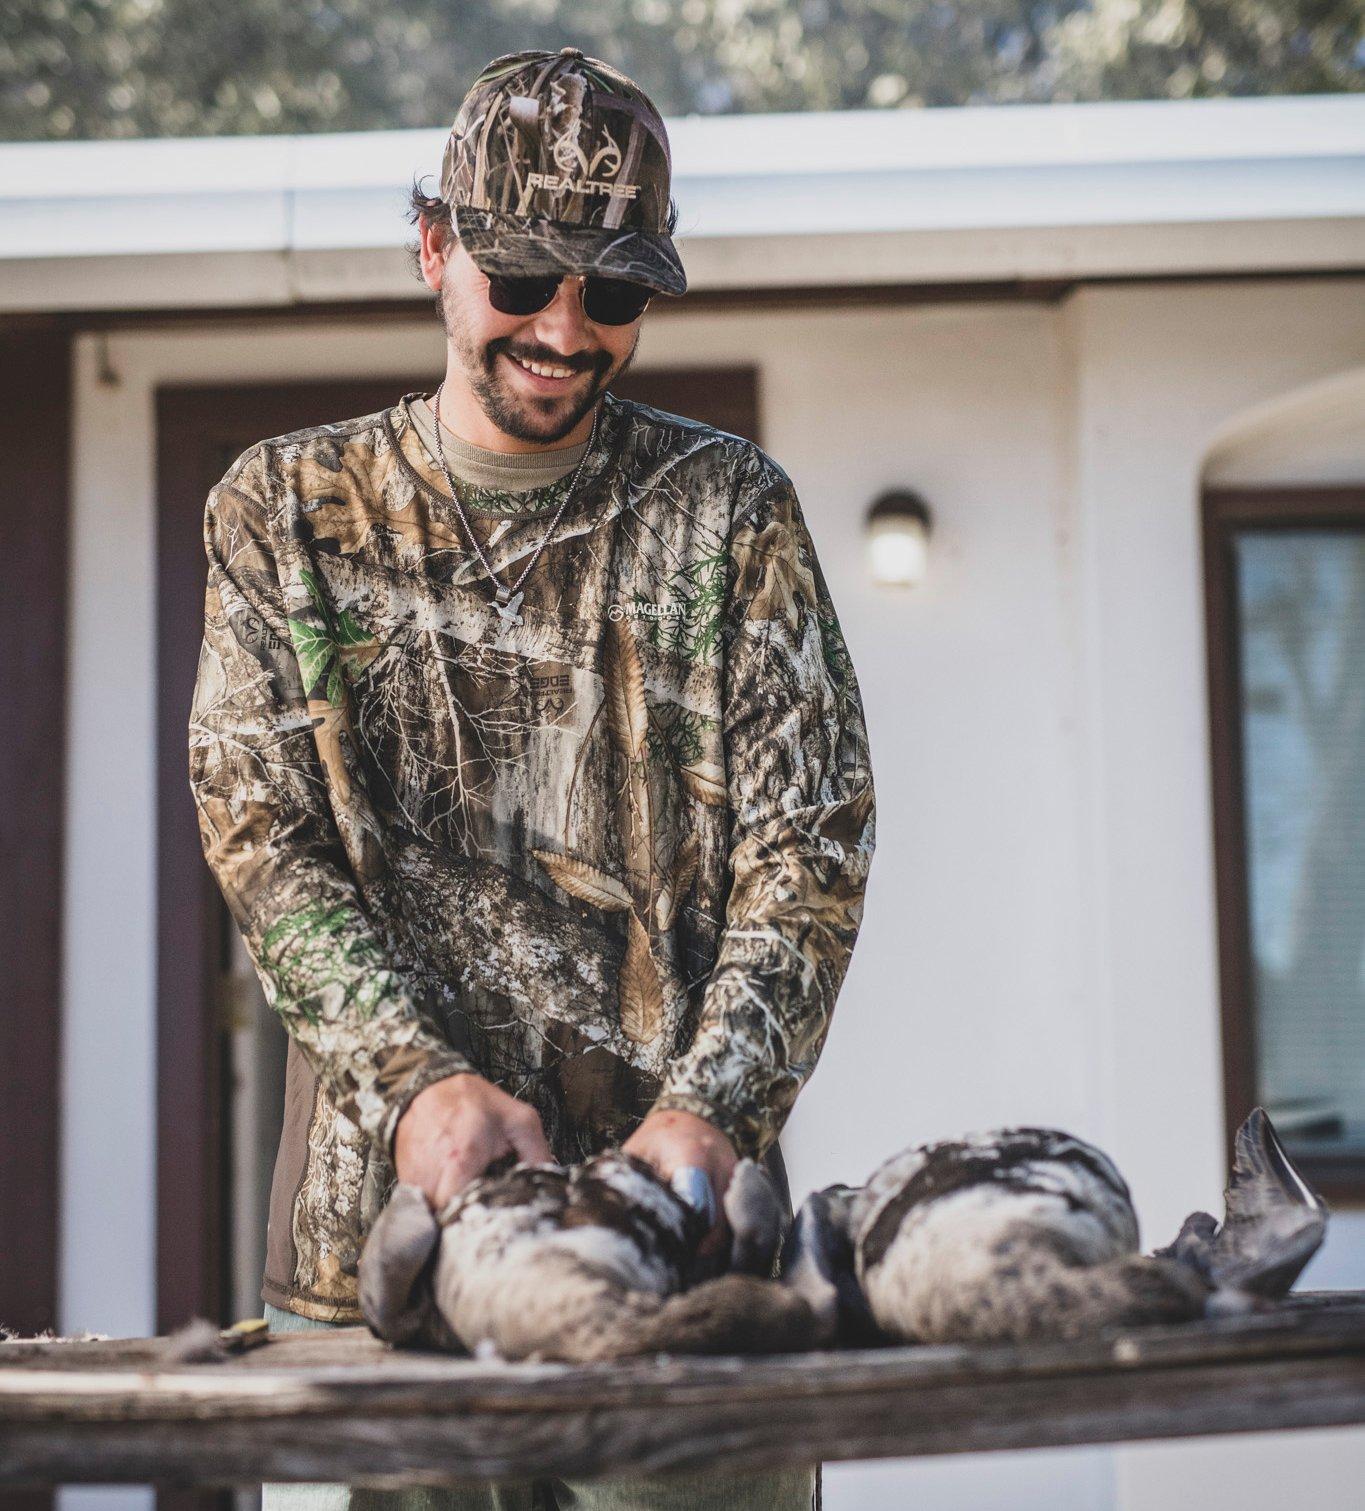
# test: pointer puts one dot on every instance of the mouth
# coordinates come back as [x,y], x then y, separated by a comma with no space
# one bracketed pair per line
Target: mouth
[549,379]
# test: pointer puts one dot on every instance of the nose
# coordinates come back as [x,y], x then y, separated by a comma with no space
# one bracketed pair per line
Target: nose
[562,325]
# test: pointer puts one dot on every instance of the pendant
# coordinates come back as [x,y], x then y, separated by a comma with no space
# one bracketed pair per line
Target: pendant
[508,610]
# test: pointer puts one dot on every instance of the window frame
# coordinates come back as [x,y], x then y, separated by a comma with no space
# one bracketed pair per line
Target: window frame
[1225,511]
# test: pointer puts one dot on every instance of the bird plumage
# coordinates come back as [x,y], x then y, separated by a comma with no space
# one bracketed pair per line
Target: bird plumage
[592,1261]
[1014,1235]
[1023,1234]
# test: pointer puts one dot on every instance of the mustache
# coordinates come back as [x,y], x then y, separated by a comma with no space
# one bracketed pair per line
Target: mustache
[582,363]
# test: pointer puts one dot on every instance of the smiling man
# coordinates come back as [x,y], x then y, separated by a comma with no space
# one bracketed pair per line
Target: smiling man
[518,385]
[525,743]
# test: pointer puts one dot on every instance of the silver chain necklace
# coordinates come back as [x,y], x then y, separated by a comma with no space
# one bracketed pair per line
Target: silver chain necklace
[508,599]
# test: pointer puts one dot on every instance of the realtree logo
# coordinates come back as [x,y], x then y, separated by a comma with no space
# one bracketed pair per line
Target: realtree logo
[646,611]
[554,183]
[571,159]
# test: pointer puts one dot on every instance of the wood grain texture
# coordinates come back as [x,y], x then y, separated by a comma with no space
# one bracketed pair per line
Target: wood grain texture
[342,1406]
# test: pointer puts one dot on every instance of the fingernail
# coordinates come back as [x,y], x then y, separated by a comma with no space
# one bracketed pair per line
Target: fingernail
[693,1185]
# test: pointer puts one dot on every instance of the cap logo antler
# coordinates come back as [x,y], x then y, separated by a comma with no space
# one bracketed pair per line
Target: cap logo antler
[607,158]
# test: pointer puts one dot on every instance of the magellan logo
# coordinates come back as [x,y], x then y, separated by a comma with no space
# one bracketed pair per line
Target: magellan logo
[641,610]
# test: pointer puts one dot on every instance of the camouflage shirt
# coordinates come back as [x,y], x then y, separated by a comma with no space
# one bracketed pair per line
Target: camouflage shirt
[609,850]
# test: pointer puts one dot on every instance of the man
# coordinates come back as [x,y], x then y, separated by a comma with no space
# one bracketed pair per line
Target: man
[525,743]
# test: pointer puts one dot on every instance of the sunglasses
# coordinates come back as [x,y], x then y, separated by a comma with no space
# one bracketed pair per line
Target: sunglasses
[606,301]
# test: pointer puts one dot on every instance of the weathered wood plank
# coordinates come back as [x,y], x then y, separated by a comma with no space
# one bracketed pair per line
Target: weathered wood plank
[310,1406]
[350,1360]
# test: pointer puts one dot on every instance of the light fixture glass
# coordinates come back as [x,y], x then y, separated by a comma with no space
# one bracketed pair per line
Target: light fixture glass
[898,538]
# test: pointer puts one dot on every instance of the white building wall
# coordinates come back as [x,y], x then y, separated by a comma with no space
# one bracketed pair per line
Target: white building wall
[1038,942]
[1163,374]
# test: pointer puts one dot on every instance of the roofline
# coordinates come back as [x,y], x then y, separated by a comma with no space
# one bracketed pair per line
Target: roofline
[1011,191]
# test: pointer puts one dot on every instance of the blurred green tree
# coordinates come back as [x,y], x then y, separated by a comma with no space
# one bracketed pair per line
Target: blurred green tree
[81,69]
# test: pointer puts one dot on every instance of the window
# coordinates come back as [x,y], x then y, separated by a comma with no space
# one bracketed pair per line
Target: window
[1286,603]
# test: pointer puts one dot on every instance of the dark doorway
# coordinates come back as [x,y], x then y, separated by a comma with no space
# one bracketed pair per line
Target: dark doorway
[35,507]
[201,987]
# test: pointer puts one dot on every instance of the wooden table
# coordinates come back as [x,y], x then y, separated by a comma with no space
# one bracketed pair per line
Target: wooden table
[339,1405]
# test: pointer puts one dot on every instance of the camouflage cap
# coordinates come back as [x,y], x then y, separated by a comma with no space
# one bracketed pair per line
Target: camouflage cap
[558,162]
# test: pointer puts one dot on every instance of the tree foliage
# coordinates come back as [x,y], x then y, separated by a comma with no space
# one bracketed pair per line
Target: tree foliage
[82,69]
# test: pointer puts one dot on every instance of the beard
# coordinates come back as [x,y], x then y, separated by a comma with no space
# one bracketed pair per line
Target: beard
[538,418]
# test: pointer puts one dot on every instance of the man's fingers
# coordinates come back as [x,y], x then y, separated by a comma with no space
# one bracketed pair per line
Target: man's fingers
[466,1163]
[519,1133]
[455,1129]
[451,1179]
[528,1139]
[520,1125]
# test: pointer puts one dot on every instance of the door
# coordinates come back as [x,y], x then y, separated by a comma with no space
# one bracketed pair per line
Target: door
[220,1054]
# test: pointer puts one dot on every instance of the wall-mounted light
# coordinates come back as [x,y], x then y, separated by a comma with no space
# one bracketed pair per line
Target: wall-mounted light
[898,538]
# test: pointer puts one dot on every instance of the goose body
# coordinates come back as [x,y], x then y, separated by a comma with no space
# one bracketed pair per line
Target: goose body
[593,1261]
[1013,1235]
[1020,1234]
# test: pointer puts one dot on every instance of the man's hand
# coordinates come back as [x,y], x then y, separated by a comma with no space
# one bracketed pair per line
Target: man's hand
[670,1139]
[452,1131]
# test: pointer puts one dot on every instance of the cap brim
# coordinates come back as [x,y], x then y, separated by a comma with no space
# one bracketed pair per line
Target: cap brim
[524,246]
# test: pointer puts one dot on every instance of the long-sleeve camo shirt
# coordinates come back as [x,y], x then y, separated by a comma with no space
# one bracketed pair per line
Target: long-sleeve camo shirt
[608,850]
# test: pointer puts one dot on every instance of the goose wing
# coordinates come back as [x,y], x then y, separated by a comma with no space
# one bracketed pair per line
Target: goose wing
[395,1271]
[1275,1221]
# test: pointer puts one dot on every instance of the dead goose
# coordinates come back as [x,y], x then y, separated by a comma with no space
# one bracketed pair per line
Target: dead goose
[1029,1233]
[577,1263]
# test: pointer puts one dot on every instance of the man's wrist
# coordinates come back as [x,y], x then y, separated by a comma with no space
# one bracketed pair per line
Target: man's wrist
[713,1116]
[440,1067]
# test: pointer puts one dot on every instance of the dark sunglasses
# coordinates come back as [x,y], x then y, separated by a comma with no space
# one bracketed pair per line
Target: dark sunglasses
[606,301]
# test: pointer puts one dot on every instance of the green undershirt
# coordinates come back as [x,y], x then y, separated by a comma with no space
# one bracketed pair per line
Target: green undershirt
[499,480]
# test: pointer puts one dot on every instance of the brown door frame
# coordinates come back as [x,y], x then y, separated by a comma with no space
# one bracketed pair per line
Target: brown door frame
[35,512]
[35,507]
[199,432]
[1225,511]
